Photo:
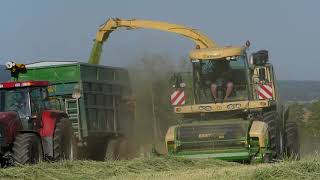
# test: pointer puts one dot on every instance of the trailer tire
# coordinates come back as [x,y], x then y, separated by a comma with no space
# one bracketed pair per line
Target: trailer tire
[112,152]
[64,141]
[292,149]
[96,147]
[123,149]
[274,132]
[27,149]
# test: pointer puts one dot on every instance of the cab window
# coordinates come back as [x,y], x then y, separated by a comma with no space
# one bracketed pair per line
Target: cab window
[38,100]
[219,71]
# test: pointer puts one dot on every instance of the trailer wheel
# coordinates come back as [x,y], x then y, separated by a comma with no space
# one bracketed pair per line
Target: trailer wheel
[274,133]
[292,149]
[123,149]
[96,147]
[27,149]
[64,141]
[112,152]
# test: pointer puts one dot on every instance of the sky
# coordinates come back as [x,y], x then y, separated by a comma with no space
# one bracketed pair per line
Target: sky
[37,30]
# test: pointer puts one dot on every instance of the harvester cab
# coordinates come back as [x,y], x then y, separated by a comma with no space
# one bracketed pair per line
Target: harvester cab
[214,76]
[221,79]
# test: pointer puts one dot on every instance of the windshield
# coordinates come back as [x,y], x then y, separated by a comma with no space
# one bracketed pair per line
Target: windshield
[15,100]
[221,80]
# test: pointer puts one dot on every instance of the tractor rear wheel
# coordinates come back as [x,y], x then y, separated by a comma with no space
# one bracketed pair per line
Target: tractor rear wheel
[292,140]
[64,141]
[27,149]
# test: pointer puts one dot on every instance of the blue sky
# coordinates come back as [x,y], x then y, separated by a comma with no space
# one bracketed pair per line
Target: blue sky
[59,29]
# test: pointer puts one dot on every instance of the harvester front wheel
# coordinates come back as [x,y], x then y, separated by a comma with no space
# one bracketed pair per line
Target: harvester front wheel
[274,134]
[27,149]
[64,141]
[292,140]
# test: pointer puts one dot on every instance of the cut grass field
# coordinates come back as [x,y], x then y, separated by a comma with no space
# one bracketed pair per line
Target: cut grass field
[165,168]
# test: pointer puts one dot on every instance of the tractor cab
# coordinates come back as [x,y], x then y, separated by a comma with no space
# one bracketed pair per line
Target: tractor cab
[28,125]
[27,98]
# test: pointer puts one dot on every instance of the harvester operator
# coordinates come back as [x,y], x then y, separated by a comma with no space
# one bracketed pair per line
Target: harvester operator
[221,78]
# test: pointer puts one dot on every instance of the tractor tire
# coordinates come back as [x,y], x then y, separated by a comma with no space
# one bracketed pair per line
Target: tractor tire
[292,146]
[27,149]
[274,133]
[64,141]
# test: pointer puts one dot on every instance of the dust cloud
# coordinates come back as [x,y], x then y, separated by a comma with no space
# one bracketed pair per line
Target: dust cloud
[150,81]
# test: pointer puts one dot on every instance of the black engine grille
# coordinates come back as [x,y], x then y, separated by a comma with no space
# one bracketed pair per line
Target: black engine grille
[211,136]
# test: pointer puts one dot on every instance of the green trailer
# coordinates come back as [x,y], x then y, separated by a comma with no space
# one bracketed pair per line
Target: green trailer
[96,99]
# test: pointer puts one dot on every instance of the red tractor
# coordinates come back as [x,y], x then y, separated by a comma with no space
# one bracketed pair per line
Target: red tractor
[30,131]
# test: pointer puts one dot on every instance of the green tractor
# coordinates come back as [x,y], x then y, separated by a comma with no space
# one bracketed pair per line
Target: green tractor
[234,112]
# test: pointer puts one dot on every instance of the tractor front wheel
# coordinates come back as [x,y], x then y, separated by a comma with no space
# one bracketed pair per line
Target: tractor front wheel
[27,149]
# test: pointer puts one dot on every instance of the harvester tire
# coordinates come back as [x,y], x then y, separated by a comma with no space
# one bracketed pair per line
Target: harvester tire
[292,149]
[274,134]
[64,141]
[27,149]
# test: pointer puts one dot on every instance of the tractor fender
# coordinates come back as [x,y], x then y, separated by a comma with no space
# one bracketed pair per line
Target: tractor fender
[11,124]
[49,119]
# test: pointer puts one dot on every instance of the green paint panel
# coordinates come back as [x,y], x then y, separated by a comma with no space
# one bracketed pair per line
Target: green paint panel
[101,90]
[225,139]
[54,74]
[232,156]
